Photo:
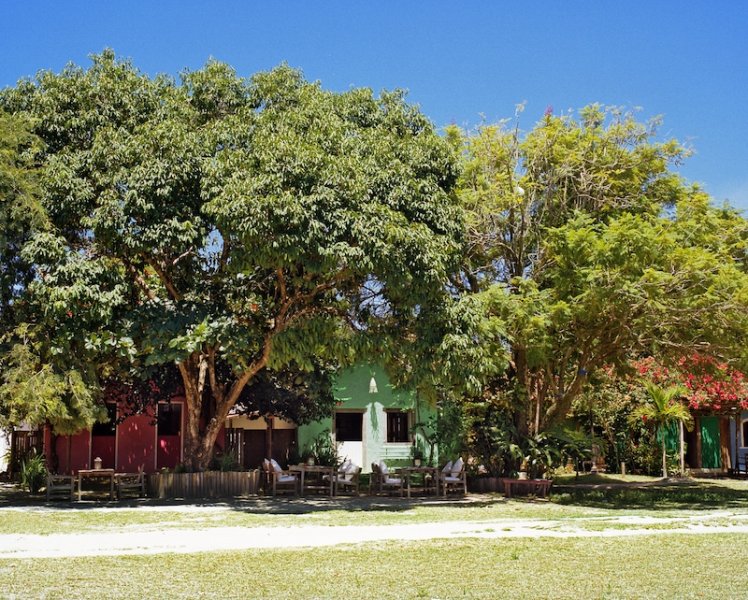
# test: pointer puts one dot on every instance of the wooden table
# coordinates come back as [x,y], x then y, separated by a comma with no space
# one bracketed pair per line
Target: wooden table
[539,487]
[429,479]
[96,474]
[318,483]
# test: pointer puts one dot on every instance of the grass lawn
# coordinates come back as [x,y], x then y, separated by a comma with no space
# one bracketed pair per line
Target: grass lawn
[629,493]
[43,520]
[595,496]
[661,566]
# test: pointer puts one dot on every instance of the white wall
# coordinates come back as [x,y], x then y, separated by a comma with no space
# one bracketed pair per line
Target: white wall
[4,449]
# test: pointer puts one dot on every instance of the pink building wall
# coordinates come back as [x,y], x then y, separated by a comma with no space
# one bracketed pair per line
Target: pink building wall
[135,444]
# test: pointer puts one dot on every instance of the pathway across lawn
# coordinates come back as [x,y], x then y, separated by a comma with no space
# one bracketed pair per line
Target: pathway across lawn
[154,538]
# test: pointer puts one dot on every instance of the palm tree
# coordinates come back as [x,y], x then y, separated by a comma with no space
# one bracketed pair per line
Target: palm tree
[661,409]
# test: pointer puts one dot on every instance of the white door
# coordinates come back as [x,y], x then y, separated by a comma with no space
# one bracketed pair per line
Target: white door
[349,435]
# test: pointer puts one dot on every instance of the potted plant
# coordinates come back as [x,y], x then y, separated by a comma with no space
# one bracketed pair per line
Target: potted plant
[522,469]
[417,456]
[307,457]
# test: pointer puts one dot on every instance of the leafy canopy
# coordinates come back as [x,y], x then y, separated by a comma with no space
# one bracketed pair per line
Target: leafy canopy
[587,248]
[230,225]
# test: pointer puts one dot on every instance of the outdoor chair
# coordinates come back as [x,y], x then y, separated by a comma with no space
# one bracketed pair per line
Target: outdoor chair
[279,480]
[741,468]
[453,477]
[382,480]
[129,482]
[347,477]
[61,486]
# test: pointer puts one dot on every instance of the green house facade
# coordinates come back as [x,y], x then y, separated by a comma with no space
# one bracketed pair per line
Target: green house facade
[372,421]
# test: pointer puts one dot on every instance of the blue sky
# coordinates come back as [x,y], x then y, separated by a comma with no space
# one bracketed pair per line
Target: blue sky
[687,60]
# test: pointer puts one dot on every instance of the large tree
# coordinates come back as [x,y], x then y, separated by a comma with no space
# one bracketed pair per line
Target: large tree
[231,226]
[20,211]
[590,249]
[34,386]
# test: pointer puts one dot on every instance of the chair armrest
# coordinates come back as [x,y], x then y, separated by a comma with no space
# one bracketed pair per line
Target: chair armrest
[285,473]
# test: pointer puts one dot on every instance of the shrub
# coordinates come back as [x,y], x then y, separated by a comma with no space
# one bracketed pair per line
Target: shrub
[324,449]
[226,462]
[34,473]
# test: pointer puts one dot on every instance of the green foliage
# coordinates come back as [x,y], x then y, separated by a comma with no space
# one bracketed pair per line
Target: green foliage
[663,408]
[231,226]
[572,444]
[20,212]
[492,437]
[38,392]
[323,450]
[605,407]
[443,432]
[294,395]
[583,248]
[33,473]
[540,455]
[225,462]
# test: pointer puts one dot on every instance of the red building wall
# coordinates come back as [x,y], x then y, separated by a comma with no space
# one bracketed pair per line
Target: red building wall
[136,443]
[73,451]
[104,447]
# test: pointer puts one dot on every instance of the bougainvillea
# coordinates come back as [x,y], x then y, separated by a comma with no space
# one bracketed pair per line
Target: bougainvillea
[711,384]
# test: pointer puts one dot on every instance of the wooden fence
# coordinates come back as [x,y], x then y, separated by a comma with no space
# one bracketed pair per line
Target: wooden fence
[485,484]
[208,484]
[23,445]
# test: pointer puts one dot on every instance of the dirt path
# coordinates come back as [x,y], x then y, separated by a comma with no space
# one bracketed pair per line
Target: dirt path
[156,541]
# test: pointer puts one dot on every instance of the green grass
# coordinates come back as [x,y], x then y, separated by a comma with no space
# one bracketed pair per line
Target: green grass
[281,513]
[660,566]
[570,502]
[600,478]
[687,494]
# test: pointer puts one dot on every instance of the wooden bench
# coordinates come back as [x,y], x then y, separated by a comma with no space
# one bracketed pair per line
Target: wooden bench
[128,482]
[61,486]
[536,487]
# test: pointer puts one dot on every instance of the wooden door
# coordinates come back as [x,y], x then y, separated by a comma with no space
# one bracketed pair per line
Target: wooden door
[254,448]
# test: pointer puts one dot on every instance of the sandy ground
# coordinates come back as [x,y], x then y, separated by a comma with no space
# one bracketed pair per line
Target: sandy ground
[155,541]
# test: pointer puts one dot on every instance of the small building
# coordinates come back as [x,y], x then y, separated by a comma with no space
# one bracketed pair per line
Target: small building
[371,422]
[719,440]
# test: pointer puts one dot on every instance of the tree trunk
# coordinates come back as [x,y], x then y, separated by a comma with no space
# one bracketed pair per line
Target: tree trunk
[682,450]
[199,443]
[522,394]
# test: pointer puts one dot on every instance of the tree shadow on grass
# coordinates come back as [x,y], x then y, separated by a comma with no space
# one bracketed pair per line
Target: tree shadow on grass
[14,496]
[687,494]
[368,504]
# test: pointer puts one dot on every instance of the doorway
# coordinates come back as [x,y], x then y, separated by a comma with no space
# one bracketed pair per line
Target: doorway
[169,435]
[349,436]
[104,439]
[710,443]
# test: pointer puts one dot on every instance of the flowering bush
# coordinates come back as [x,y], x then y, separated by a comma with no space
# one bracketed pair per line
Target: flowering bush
[711,384]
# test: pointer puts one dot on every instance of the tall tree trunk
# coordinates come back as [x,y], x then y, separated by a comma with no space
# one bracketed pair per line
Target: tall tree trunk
[200,442]
[682,450]
[522,400]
